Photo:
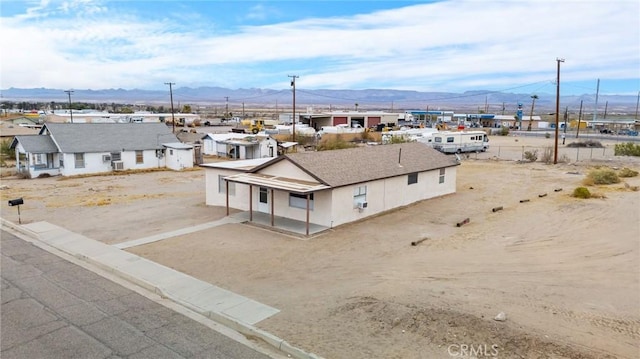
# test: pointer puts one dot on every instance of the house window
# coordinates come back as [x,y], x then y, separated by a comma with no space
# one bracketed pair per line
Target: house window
[222,186]
[359,195]
[300,200]
[139,157]
[116,156]
[170,152]
[412,178]
[441,180]
[79,159]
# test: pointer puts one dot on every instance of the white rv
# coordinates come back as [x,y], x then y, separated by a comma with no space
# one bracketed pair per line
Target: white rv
[458,142]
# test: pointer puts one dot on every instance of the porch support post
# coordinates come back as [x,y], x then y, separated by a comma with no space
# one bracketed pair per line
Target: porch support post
[308,201]
[272,207]
[227,195]
[250,203]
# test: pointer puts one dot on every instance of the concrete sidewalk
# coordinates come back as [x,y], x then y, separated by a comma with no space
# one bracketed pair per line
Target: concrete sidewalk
[227,308]
[194,293]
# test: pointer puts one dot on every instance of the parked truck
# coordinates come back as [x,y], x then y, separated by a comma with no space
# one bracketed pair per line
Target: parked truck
[462,141]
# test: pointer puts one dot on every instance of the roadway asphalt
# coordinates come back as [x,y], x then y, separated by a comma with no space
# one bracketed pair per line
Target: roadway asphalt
[52,308]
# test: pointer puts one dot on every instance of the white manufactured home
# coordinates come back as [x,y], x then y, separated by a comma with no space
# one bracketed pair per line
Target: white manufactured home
[458,142]
[330,188]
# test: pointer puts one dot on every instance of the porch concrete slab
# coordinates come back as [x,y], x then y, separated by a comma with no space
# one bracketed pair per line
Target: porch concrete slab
[178,286]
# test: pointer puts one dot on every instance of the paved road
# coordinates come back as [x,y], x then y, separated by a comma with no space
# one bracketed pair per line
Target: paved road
[52,308]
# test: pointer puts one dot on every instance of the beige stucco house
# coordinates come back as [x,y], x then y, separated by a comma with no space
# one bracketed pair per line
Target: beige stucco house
[330,188]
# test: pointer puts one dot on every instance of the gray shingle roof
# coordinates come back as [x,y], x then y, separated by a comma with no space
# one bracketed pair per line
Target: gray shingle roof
[36,144]
[344,167]
[109,137]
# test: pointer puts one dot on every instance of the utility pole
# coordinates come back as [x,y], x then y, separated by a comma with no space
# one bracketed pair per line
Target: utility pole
[69,92]
[243,110]
[555,151]
[566,115]
[173,118]
[637,103]
[226,106]
[606,105]
[595,110]
[503,108]
[293,84]
[579,119]
[533,103]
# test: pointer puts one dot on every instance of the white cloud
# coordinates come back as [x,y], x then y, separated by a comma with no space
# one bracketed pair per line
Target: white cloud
[452,45]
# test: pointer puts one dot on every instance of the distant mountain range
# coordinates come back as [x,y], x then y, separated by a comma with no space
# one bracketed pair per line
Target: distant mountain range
[380,99]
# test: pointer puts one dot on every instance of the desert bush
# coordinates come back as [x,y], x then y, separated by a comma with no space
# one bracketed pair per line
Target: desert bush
[627,172]
[399,139]
[581,192]
[504,131]
[531,156]
[547,135]
[547,155]
[335,144]
[6,152]
[588,144]
[602,176]
[627,149]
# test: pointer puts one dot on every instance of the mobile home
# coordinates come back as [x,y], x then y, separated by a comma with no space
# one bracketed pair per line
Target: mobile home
[458,142]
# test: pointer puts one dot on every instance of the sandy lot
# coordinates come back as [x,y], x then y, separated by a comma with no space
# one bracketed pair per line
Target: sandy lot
[565,271]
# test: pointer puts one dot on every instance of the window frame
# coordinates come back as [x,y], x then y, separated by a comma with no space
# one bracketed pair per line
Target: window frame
[79,163]
[412,178]
[300,201]
[139,157]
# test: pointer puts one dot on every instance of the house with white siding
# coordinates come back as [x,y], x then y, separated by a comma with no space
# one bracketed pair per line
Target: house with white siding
[70,149]
[239,145]
[330,188]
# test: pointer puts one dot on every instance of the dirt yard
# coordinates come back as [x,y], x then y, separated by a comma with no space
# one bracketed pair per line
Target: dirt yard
[565,271]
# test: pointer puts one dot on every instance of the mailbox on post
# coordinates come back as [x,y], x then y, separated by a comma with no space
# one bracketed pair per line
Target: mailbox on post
[17,202]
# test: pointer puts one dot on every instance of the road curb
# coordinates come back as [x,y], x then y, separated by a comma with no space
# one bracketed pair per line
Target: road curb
[245,329]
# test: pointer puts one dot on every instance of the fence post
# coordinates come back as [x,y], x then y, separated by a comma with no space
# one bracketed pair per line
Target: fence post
[591,154]
[578,154]
[522,153]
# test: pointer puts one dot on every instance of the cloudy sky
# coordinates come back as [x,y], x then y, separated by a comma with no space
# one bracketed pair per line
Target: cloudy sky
[452,46]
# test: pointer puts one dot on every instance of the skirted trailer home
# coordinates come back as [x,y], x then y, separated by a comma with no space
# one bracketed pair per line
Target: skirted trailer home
[458,142]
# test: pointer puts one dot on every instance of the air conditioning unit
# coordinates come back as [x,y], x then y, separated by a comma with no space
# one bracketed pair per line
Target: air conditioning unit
[362,205]
[117,165]
[106,158]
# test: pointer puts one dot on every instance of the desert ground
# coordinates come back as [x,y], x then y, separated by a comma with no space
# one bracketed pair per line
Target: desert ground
[565,271]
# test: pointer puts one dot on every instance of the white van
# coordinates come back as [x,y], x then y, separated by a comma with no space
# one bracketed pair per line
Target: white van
[458,142]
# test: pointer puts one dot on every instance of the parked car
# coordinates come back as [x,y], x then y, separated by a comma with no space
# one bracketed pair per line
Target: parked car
[606,131]
[627,132]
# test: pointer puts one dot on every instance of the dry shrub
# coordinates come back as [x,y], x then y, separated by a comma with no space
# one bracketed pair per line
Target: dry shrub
[581,192]
[531,156]
[627,172]
[601,176]
[336,143]
[547,155]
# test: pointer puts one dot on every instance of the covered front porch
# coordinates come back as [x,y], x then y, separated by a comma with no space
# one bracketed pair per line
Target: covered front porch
[265,212]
